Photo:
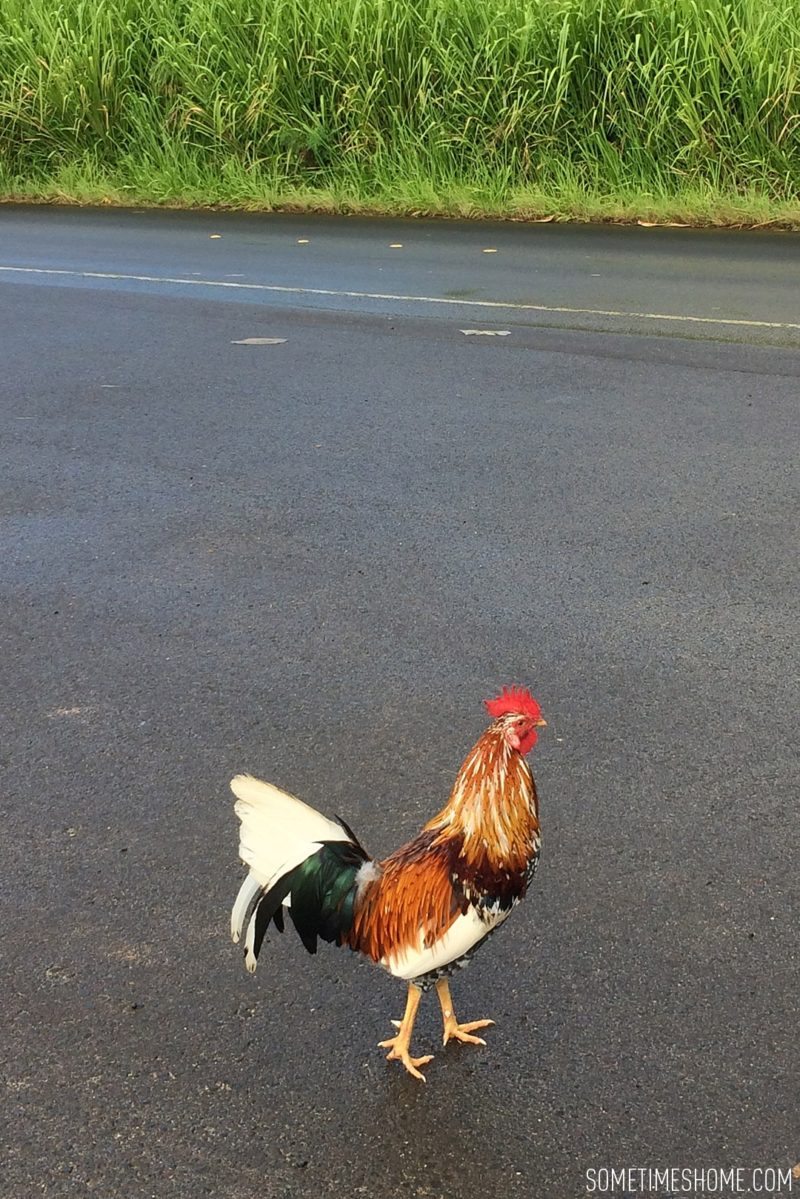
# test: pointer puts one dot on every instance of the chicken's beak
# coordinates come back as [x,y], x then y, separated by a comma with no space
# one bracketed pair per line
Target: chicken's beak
[541,723]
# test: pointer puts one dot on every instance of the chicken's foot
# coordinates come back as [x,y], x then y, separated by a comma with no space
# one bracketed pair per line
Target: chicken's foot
[398,1046]
[452,1028]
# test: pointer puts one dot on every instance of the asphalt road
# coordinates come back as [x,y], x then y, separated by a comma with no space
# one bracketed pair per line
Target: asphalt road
[312,560]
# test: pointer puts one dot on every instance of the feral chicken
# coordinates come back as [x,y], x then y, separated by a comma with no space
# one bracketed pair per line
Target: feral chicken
[421,912]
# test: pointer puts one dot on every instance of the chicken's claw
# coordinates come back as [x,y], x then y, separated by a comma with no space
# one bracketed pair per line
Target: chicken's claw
[398,1051]
[461,1032]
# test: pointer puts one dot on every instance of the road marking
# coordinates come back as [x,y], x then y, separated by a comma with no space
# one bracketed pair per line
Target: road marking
[505,305]
[486,332]
[259,341]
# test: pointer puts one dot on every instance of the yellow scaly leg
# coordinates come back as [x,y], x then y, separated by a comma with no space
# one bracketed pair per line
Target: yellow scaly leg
[461,1032]
[399,1045]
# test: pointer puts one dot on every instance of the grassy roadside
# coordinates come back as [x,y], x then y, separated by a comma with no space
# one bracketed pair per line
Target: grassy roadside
[656,110]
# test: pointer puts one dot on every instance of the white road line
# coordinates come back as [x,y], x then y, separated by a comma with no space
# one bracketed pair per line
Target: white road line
[504,305]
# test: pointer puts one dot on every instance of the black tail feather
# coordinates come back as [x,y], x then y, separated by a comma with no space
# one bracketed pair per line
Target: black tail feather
[321,894]
[269,908]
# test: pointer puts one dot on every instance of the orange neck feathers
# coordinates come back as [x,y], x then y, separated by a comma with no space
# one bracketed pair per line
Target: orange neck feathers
[484,839]
[493,804]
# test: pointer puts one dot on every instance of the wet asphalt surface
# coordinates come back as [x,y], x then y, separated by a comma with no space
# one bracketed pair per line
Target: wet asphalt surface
[312,560]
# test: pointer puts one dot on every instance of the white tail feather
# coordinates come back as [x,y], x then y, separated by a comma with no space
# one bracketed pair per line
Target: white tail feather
[278,832]
[250,959]
[248,891]
[274,824]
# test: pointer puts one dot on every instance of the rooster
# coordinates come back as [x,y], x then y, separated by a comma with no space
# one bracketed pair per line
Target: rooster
[421,912]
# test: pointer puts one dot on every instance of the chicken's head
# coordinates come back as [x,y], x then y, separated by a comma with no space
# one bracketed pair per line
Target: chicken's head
[518,716]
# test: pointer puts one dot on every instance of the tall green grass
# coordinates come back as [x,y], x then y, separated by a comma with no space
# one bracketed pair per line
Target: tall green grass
[686,106]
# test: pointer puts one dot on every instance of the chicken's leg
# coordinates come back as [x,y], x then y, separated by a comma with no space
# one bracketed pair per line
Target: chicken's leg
[452,1028]
[398,1046]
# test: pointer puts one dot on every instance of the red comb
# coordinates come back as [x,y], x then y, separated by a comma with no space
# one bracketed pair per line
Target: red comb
[513,699]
